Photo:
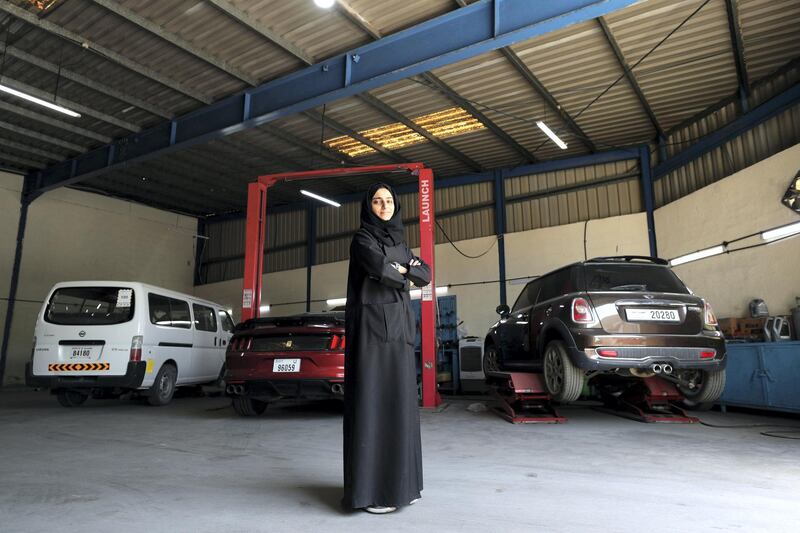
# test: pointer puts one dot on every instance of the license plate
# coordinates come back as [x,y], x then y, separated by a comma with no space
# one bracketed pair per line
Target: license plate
[286,365]
[653,315]
[80,352]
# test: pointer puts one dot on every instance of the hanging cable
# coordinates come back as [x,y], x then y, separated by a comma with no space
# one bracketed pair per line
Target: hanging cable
[498,237]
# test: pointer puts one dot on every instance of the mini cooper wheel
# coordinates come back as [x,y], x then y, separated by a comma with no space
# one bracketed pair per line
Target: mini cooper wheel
[163,386]
[248,406]
[71,398]
[491,361]
[564,382]
[708,387]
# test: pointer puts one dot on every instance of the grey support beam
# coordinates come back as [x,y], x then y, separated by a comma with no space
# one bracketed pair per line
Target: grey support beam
[399,117]
[24,161]
[442,87]
[361,23]
[630,76]
[183,44]
[540,89]
[325,152]
[107,53]
[31,150]
[42,137]
[87,82]
[732,8]
[341,128]
[242,17]
[534,82]
[53,122]
[88,111]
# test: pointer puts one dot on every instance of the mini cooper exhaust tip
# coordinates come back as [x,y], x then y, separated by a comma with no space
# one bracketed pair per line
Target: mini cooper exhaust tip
[659,368]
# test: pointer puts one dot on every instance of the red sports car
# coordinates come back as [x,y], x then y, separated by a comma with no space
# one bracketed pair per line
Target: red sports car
[299,356]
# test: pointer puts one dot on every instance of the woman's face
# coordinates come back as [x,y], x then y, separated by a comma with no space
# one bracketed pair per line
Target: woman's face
[383,204]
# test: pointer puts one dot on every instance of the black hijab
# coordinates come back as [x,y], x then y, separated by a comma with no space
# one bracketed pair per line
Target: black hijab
[388,232]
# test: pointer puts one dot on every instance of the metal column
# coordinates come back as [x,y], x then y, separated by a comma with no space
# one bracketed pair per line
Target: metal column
[648,197]
[311,249]
[500,229]
[254,249]
[25,200]
[430,396]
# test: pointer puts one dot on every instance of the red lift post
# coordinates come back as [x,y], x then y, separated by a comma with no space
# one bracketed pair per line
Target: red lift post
[255,240]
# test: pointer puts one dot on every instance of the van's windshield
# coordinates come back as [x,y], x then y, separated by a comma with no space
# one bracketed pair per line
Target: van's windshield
[90,306]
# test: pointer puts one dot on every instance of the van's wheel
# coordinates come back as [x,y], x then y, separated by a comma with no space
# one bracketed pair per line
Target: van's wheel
[164,386]
[245,406]
[563,380]
[71,398]
[491,362]
[708,387]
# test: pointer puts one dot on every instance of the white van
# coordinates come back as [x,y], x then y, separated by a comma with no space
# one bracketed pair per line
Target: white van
[104,338]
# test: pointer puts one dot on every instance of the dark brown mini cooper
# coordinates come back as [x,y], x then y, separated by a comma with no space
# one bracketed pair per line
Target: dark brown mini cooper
[630,316]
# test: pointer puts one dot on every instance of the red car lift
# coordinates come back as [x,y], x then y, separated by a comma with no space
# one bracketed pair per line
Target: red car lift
[650,400]
[255,240]
[522,398]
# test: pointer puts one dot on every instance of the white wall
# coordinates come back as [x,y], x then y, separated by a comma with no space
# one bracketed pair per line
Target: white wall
[528,253]
[743,203]
[73,235]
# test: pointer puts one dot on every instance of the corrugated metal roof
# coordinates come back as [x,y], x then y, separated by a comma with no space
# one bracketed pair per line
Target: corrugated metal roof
[693,70]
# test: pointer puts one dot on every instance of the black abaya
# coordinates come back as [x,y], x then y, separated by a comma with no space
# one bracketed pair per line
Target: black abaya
[382,447]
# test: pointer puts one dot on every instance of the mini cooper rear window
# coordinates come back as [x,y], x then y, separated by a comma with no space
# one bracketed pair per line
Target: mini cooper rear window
[634,278]
[90,306]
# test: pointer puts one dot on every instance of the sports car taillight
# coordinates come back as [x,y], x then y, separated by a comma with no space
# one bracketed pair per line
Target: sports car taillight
[337,342]
[240,344]
[582,311]
[710,318]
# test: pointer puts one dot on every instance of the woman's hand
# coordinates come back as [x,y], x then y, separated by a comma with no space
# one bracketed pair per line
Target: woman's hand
[414,262]
[400,268]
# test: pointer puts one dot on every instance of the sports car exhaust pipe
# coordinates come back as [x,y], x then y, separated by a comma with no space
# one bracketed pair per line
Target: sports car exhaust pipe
[337,388]
[666,368]
[234,389]
[657,368]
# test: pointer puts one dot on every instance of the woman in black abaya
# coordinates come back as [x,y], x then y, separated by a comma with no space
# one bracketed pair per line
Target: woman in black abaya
[382,447]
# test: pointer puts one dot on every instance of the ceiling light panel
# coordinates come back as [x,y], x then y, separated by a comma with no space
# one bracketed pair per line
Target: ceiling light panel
[441,124]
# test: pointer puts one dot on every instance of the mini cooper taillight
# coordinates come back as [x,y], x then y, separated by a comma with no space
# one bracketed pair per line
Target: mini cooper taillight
[710,318]
[582,311]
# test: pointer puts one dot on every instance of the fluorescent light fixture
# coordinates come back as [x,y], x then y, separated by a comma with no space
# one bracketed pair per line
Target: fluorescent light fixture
[264,309]
[336,302]
[320,198]
[416,294]
[550,133]
[701,254]
[325,4]
[39,101]
[230,311]
[781,232]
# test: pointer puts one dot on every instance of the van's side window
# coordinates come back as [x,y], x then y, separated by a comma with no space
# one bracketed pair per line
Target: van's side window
[204,319]
[171,312]
[227,323]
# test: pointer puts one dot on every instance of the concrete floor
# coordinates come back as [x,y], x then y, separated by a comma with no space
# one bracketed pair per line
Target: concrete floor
[196,466]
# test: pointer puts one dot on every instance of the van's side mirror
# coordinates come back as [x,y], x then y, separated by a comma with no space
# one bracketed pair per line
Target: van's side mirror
[503,310]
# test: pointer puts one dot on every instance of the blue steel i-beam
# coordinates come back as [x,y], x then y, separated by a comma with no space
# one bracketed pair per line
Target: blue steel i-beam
[311,250]
[200,247]
[756,116]
[648,197]
[25,200]
[461,34]
[500,229]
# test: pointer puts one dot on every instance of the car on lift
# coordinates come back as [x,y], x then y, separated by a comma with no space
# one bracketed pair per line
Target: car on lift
[297,357]
[624,317]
